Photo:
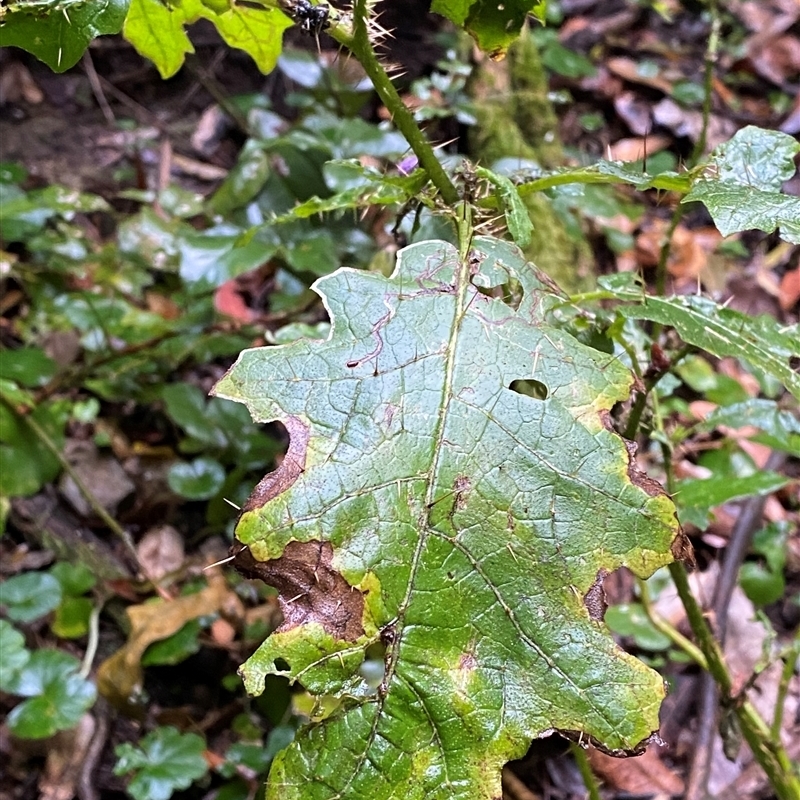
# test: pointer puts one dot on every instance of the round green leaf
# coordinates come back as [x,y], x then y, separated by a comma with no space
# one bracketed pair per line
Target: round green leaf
[58,695]
[175,648]
[164,761]
[30,596]
[200,479]
[72,617]
[13,654]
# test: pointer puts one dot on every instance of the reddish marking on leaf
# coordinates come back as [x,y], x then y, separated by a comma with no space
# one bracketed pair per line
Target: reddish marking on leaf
[595,598]
[468,662]
[309,589]
[292,466]
[462,487]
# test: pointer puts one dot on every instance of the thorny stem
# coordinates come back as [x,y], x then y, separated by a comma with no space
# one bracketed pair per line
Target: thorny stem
[585,768]
[768,750]
[361,47]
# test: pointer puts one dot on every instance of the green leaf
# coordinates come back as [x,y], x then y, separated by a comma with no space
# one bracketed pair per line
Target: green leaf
[712,492]
[75,579]
[200,479]
[58,696]
[28,366]
[761,341]
[493,25]
[26,464]
[29,596]
[761,584]
[164,761]
[156,30]
[518,219]
[630,619]
[175,648]
[58,31]
[782,428]
[13,654]
[426,504]
[71,620]
[741,186]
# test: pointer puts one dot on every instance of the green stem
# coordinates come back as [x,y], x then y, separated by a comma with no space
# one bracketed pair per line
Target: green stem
[790,658]
[674,635]
[360,45]
[585,768]
[768,750]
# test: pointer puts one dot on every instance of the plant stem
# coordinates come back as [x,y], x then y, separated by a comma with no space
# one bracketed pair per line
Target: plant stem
[585,768]
[361,47]
[767,750]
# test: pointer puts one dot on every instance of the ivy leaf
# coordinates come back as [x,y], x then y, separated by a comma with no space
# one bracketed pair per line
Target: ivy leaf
[58,32]
[156,30]
[164,761]
[14,654]
[429,505]
[741,186]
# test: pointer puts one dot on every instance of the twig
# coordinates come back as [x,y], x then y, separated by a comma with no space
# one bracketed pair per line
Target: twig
[97,88]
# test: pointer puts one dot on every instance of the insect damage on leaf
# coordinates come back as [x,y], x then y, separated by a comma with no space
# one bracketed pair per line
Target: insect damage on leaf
[453,492]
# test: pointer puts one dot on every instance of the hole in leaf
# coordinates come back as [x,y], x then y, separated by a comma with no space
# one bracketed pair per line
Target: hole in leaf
[282,665]
[511,293]
[530,388]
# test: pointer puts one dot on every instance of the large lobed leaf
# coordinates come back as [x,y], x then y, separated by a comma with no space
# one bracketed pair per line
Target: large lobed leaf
[427,506]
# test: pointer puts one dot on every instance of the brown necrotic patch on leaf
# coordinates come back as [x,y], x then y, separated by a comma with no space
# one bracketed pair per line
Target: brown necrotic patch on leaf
[309,589]
[292,466]
[595,598]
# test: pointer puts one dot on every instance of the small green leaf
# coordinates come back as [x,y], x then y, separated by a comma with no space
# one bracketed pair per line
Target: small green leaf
[58,696]
[630,619]
[493,25]
[741,187]
[712,492]
[75,579]
[188,407]
[200,479]
[518,218]
[244,181]
[13,654]
[781,427]
[71,620]
[58,32]
[28,366]
[29,596]
[164,761]
[175,648]
[761,584]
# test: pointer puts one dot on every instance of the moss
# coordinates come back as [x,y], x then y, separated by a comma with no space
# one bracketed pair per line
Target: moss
[515,118]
